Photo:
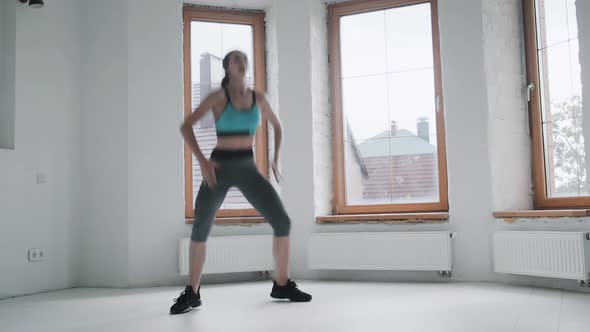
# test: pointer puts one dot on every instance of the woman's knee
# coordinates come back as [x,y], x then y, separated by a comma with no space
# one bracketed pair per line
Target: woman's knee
[201,228]
[281,226]
[199,234]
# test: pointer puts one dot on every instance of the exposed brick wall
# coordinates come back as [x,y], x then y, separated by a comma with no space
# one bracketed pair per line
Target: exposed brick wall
[508,135]
[321,108]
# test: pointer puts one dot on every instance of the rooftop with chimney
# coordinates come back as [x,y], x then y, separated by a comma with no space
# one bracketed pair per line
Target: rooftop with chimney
[398,142]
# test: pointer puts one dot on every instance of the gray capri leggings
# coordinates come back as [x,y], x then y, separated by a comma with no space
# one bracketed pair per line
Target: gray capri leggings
[237,168]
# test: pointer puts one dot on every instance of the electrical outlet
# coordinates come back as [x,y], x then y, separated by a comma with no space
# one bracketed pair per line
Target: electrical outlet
[36,255]
[41,178]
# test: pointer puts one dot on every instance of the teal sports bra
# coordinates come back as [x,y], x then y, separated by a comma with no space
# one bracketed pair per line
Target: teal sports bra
[232,122]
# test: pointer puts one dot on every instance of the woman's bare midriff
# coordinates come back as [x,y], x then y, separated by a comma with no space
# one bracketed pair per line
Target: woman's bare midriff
[235,142]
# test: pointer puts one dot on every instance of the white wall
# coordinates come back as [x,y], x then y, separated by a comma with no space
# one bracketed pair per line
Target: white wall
[155,157]
[466,129]
[7,58]
[469,176]
[295,104]
[104,126]
[104,228]
[477,118]
[561,224]
[508,132]
[47,140]
[322,111]
[487,139]
[132,150]
[510,125]
[155,163]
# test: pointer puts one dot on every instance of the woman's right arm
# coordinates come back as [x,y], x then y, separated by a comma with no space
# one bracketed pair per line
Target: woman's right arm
[187,126]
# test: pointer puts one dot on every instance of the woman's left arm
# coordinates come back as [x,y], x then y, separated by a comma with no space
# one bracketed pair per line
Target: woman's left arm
[268,114]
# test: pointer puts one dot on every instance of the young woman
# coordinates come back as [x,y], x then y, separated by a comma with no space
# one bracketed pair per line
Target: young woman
[237,111]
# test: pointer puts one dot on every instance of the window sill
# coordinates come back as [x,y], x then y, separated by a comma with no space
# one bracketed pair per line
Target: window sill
[387,218]
[511,215]
[244,221]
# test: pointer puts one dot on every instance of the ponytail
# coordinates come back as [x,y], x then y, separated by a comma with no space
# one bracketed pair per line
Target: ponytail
[225,80]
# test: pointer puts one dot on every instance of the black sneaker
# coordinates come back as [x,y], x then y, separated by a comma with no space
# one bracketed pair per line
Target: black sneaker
[289,291]
[186,301]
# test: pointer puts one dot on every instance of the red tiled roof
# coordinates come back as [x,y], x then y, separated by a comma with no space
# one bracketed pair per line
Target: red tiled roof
[401,176]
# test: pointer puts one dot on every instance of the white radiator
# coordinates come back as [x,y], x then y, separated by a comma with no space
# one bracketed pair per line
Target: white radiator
[226,254]
[546,254]
[409,251]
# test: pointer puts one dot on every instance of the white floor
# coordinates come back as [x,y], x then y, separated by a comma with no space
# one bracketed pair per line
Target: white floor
[337,306]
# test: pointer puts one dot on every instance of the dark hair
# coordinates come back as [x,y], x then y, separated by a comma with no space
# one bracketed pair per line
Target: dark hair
[225,62]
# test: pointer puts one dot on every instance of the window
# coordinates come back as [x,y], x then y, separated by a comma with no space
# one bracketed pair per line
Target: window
[558,130]
[389,143]
[209,34]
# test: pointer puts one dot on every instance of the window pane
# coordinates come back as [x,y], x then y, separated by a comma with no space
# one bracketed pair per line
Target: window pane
[391,170]
[388,100]
[412,101]
[564,131]
[553,21]
[574,58]
[572,21]
[369,179]
[556,80]
[362,43]
[210,42]
[414,165]
[364,104]
[409,38]
[565,158]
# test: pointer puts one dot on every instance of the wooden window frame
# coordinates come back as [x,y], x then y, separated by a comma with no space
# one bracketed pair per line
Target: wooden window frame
[335,12]
[541,198]
[256,20]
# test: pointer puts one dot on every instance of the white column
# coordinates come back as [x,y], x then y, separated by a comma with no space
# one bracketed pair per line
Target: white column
[466,116]
[104,226]
[295,109]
